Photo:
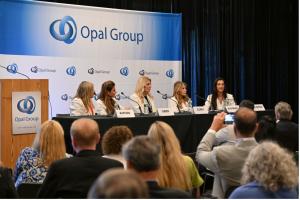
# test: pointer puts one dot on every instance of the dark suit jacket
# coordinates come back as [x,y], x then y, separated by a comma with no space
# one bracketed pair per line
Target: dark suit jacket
[286,134]
[72,177]
[7,187]
[157,192]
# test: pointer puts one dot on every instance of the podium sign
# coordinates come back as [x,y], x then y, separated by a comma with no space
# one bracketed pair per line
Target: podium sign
[26,112]
[259,107]
[165,112]
[125,113]
[200,110]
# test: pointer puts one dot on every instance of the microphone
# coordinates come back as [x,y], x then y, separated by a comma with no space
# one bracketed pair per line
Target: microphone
[165,96]
[15,71]
[203,99]
[127,97]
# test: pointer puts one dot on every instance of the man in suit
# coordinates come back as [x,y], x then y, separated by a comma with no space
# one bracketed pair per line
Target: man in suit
[142,154]
[72,177]
[286,131]
[227,160]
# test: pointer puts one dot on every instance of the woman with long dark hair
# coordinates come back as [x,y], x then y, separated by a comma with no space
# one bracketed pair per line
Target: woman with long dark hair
[219,98]
[106,103]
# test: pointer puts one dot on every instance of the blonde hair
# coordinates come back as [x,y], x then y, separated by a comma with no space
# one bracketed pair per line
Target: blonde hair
[173,171]
[50,142]
[283,111]
[84,92]
[176,93]
[271,166]
[140,84]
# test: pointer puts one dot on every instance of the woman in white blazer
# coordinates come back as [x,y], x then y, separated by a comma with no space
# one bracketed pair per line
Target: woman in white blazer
[82,103]
[106,104]
[142,96]
[219,99]
[180,100]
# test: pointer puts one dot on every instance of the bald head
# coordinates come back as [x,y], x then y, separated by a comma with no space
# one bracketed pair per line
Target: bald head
[245,122]
[84,133]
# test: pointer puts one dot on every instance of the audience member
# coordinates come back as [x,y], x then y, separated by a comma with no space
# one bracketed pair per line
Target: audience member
[266,128]
[113,140]
[219,98]
[82,103]
[180,100]
[106,104]
[227,134]
[227,160]
[142,96]
[72,177]
[173,161]
[48,146]
[287,132]
[269,173]
[7,188]
[143,155]
[119,184]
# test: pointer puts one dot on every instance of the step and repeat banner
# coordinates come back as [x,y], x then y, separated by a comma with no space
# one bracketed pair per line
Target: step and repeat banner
[68,44]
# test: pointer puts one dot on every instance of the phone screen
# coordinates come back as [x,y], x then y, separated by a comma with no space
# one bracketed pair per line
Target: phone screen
[229,118]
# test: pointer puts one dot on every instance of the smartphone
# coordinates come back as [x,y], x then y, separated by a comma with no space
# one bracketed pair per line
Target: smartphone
[229,118]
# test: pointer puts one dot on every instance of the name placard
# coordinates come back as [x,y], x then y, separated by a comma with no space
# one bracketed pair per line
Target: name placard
[125,113]
[259,107]
[200,110]
[165,112]
[232,109]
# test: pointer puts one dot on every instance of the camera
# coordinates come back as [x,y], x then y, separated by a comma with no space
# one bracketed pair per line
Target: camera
[229,118]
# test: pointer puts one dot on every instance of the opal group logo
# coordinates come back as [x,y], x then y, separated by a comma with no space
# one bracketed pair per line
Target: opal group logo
[26,105]
[91,71]
[64,97]
[13,68]
[34,69]
[124,71]
[71,71]
[142,72]
[67,29]
[170,73]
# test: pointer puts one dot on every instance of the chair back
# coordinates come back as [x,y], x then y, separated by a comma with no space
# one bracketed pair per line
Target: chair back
[28,190]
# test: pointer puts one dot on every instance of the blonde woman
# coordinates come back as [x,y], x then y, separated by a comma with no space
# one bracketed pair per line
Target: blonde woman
[180,100]
[269,172]
[48,146]
[82,103]
[177,170]
[144,101]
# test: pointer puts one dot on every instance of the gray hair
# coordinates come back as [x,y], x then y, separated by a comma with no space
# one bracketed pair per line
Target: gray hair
[283,110]
[143,153]
[118,183]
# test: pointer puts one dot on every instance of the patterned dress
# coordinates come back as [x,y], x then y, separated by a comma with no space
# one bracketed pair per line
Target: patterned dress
[29,167]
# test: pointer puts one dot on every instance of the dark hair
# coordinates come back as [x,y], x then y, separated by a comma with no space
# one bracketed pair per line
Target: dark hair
[114,138]
[143,153]
[108,101]
[247,104]
[266,128]
[215,93]
[245,121]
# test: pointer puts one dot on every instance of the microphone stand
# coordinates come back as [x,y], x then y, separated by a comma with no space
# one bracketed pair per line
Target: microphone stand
[127,97]
[15,72]
[165,96]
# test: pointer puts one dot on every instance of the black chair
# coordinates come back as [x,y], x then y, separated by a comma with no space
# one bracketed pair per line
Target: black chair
[28,190]
[230,190]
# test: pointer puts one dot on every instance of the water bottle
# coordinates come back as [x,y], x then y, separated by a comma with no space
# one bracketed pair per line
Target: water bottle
[146,109]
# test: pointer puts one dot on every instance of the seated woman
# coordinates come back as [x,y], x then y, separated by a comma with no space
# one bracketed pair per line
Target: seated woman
[48,146]
[177,170]
[113,141]
[144,101]
[269,172]
[82,103]
[219,99]
[106,104]
[180,100]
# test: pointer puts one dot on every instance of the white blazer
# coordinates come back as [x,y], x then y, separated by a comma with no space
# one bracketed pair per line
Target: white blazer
[172,104]
[101,107]
[135,106]
[77,108]
[229,101]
